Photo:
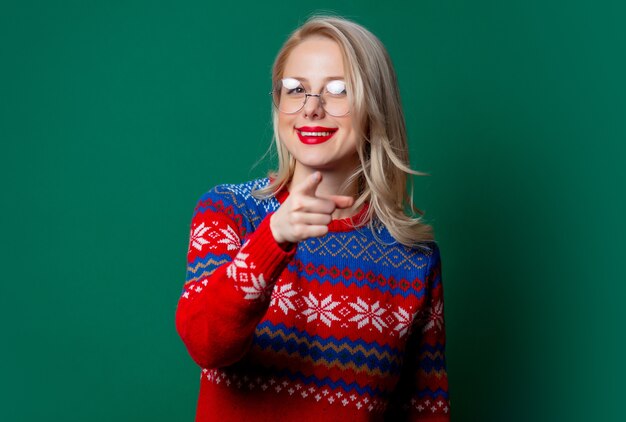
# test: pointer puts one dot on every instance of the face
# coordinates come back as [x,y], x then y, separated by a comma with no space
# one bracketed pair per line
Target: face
[317,140]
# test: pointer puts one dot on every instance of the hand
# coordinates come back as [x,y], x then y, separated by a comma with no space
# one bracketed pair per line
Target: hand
[303,214]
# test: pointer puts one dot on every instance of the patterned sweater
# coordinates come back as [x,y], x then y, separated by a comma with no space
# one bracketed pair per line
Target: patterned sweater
[344,327]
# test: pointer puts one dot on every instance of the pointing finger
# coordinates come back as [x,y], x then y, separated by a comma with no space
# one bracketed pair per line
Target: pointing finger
[309,185]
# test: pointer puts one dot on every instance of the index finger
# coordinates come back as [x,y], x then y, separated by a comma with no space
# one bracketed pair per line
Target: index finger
[310,184]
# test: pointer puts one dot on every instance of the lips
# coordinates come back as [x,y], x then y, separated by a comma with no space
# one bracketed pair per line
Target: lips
[312,135]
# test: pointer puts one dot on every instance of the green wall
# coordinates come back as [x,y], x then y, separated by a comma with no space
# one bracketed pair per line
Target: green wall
[115,116]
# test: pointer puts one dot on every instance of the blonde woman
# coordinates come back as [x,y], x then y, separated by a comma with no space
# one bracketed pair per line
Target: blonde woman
[312,294]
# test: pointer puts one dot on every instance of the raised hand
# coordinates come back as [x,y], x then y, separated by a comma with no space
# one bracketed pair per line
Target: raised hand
[303,214]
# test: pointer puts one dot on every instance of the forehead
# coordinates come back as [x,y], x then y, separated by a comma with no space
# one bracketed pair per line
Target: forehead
[314,59]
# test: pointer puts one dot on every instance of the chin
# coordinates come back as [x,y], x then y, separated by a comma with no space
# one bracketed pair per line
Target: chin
[316,165]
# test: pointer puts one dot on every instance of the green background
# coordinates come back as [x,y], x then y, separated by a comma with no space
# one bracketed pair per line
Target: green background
[115,116]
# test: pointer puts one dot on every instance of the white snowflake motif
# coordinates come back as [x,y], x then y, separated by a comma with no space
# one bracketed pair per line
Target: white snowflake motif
[281,296]
[435,317]
[197,241]
[404,321]
[321,310]
[256,289]
[230,239]
[238,263]
[368,314]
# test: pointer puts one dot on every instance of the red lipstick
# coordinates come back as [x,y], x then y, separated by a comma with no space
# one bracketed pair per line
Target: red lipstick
[312,135]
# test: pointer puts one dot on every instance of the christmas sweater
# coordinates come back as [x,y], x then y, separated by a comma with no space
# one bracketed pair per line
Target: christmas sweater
[344,327]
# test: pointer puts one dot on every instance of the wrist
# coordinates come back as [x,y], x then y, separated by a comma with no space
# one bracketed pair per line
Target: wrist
[283,243]
[275,231]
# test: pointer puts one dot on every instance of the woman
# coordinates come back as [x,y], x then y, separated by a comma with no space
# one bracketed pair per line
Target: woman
[312,295]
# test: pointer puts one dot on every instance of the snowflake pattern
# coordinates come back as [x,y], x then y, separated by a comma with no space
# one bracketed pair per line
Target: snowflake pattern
[241,271]
[404,321]
[230,239]
[435,317]
[321,310]
[226,236]
[239,263]
[281,296]
[255,290]
[196,236]
[367,314]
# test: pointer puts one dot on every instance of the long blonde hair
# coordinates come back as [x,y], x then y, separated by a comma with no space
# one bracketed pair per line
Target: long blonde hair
[377,113]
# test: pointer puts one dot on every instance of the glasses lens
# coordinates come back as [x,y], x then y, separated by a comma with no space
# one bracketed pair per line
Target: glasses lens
[289,95]
[335,98]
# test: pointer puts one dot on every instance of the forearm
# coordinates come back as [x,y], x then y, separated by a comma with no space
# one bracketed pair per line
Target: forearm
[218,312]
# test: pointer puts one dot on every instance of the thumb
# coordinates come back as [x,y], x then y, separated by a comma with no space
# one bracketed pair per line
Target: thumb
[342,201]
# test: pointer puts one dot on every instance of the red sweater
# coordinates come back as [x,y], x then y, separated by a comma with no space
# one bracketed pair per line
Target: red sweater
[345,327]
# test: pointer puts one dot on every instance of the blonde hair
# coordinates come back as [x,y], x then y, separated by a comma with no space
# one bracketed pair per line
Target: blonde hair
[377,114]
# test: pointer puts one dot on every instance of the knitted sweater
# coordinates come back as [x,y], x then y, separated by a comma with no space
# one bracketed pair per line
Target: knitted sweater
[344,327]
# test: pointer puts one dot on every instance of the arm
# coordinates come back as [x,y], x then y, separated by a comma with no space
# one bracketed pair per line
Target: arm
[228,285]
[423,387]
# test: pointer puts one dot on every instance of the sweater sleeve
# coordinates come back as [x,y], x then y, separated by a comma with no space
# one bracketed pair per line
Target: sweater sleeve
[230,277]
[422,392]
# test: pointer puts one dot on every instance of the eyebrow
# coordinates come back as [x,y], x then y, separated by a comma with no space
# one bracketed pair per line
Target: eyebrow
[329,78]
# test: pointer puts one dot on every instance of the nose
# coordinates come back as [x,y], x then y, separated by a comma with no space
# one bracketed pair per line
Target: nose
[313,106]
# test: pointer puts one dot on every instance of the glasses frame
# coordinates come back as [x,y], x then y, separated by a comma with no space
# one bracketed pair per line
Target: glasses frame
[306,98]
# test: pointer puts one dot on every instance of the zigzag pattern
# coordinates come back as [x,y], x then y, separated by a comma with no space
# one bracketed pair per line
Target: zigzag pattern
[375,360]
[432,355]
[375,347]
[437,374]
[349,246]
[432,358]
[438,393]
[432,348]
[332,363]
[326,352]
[209,202]
[429,365]
[199,277]
[211,262]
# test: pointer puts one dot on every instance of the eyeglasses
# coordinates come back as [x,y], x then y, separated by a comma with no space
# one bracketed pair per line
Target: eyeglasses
[289,96]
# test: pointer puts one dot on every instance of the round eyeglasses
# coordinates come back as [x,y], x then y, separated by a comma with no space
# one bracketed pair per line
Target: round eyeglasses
[289,97]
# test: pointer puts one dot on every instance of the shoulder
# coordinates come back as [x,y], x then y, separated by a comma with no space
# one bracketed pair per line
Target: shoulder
[423,256]
[227,195]
[432,251]
[236,202]
[427,249]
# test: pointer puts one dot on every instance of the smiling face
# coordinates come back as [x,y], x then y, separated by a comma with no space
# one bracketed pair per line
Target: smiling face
[317,140]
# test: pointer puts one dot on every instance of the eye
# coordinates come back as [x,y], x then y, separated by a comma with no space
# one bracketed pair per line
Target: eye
[336,88]
[298,90]
[292,86]
[290,83]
